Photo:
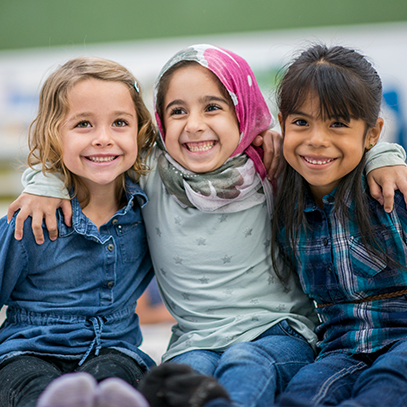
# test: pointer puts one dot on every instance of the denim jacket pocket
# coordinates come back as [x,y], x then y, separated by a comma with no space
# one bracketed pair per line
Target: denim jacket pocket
[133,242]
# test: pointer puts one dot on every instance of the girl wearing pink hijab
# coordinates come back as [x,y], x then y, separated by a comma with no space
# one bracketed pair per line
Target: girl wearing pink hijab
[208,227]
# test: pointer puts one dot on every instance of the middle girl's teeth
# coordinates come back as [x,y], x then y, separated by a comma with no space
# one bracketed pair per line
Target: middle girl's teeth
[101,159]
[318,162]
[200,147]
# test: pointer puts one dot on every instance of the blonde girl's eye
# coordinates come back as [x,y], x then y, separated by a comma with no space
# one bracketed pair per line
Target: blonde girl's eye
[83,124]
[120,123]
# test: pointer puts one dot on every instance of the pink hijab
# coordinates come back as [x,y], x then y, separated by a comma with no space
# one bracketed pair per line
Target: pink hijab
[237,77]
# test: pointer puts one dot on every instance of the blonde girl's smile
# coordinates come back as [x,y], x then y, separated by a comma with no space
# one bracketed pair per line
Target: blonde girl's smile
[201,128]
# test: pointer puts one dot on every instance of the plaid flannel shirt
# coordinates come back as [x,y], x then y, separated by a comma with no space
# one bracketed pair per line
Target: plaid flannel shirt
[336,271]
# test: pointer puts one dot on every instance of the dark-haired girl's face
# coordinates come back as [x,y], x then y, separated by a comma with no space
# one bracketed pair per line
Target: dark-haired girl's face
[323,151]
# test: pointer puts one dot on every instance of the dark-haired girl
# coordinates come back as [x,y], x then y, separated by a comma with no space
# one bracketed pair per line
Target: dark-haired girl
[349,253]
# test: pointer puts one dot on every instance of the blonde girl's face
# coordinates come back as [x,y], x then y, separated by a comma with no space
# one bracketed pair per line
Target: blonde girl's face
[201,128]
[99,133]
[324,151]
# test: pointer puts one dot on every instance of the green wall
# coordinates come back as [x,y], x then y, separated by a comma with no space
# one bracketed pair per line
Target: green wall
[44,23]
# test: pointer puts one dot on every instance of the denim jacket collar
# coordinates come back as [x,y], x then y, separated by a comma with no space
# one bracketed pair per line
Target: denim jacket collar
[84,226]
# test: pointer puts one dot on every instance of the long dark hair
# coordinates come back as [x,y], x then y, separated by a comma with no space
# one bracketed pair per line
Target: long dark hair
[348,87]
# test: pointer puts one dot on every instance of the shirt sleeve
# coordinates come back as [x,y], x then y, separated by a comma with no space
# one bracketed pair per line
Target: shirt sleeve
[385,154]
[35,182]
[13,259]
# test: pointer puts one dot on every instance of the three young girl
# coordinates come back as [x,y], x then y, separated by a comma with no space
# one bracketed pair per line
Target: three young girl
[209,232]
[349,253]
[71,302]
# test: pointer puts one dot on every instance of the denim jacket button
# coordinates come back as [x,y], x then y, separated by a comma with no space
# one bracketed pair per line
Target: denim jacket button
[114,221]
[110,247]
[110,284]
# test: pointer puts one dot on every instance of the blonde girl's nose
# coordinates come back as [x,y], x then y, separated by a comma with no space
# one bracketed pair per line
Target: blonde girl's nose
[102,137]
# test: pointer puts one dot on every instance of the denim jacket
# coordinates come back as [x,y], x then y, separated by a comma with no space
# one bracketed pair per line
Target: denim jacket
[78,294]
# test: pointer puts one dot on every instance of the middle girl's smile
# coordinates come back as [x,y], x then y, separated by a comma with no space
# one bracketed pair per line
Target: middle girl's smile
[201,128]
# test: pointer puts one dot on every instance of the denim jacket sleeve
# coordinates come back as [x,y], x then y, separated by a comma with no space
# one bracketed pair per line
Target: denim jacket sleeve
[13,259]
[383,155]
[35,182]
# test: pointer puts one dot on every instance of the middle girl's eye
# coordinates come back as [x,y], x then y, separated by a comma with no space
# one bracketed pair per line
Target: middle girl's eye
[213,107]
[177,111]
[338,124]
[120,123]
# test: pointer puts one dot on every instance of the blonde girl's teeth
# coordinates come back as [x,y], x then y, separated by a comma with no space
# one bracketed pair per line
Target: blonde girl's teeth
[101,159]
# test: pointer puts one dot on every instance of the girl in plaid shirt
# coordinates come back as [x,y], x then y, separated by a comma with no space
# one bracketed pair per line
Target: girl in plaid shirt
[349,253]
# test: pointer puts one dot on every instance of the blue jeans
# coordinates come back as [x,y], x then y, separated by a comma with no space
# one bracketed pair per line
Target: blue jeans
[254,372]
[352,381]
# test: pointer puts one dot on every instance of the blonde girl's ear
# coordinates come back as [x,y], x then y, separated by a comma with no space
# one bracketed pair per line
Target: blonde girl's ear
[373,134]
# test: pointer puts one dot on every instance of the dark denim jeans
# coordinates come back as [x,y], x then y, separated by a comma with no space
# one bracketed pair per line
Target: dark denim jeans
[352,381]
[23,378]
[254,372]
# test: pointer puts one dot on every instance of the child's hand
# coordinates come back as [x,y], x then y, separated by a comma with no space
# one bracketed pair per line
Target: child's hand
[39,208]
[272,142]
[384,181]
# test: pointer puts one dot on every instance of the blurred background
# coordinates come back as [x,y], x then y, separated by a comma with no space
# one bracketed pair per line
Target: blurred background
[37,36]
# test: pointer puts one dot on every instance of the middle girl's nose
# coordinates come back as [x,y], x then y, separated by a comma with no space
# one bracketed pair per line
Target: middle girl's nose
[195,123]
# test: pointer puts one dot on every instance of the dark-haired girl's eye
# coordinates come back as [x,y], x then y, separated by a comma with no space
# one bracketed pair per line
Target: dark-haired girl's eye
[338,124]
[301,122]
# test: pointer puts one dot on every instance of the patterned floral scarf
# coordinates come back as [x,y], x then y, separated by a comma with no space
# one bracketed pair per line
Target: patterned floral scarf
[240,182]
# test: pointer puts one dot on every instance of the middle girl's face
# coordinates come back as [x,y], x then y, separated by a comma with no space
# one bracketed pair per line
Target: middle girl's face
[201,128]
[99,134]
[323,151]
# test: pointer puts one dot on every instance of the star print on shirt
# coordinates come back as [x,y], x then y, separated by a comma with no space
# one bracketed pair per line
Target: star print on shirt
[204,280]
[177,220]
[228,291]
[163,272]
[201,241]
[178,260]
[267,243]
[226,259]
[248,232]
[186,296]
[158,231]
[271,280]
[223,218]
[254,301]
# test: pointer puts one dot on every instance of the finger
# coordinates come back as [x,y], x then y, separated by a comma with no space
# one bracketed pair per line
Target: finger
[375,190]
[19,225]
[258,141]
[388,198]
[36,226]
[268,158]
[51,224]
[14,206]
[67,211]
[277,151]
